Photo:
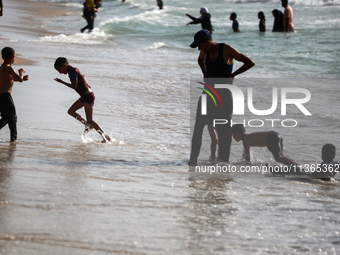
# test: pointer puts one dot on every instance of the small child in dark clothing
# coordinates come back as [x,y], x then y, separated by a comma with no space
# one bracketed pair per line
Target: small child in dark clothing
[86,100]
[262,23]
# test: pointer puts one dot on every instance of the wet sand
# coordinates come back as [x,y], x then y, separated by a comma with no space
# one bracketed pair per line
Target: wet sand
[23,20]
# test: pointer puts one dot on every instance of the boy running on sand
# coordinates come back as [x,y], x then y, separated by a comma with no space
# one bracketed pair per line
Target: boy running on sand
[86,100]
[7,77]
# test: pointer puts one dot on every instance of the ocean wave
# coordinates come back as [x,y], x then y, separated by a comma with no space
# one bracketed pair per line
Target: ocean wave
[327,117]
[151,17]
[157,45]
[95,37]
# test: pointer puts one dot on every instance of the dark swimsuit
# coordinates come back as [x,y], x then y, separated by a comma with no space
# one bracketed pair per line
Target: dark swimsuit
[82,87]
[219,68]
[216,73]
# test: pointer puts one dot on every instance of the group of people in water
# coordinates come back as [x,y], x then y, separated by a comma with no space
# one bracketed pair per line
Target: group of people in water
[216,63]
[283,22]
[90,9]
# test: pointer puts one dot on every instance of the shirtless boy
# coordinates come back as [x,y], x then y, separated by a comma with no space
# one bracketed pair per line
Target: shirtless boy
[7,77]
[272,140]
[86,100]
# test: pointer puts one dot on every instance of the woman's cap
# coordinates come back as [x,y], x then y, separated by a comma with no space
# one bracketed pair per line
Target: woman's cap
[201,36]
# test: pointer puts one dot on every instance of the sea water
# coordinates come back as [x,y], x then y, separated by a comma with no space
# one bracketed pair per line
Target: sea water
[65,193]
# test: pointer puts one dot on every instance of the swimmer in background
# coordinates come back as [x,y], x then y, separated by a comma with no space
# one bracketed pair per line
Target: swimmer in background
[205,19]
[235,24]
[278,21]
[86,100]
[160,4]
[272,140]
[288,25]
[262,23]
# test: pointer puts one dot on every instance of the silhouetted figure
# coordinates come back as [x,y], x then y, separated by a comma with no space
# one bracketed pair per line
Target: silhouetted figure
[87,97]
[89,14]
[262,23]
[288,25]
[1,8]
[216,62]
[235,24]
[160,4]
[270,139]
[204,19]
[278,20]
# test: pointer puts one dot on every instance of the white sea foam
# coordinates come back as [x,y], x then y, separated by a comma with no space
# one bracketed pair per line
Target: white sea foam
[95,37]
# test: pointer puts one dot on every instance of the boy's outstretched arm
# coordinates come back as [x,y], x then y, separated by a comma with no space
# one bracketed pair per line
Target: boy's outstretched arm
[19,77]
[72,85]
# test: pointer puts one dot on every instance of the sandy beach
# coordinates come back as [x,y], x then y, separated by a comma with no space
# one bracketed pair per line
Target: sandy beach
[23,19]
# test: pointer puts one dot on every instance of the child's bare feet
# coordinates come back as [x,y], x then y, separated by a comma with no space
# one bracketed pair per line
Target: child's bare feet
[87,129]
[106,138]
